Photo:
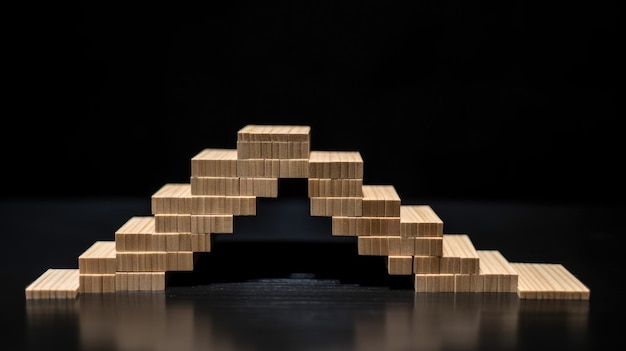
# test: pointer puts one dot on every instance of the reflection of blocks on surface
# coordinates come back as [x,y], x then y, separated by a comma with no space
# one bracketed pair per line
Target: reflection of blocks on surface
[224,183]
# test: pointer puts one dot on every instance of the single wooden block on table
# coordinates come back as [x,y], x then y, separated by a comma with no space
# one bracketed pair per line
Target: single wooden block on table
[548,281]
[54,283]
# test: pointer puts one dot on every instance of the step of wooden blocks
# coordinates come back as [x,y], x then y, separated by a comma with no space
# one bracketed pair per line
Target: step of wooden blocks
[55,283]
[224,183]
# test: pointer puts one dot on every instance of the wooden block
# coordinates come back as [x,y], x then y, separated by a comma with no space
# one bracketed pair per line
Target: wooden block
[366,226]
[99,258]
[548,281]
[419,220]
[399,246]
[426,264]
[259,187]
[151,261]
[214,163]
[336,206]
[228,205]
[172,223]
[400,265]
[214,185]
[425,246]
[140,281]
[293,168]
[136,234]
[55,283]
[320,187]
[434,283]
[380,201]
[201,242]
[459,255]
[277,133]
[258,168]
[499,275]
[335,164]
[273,150]
[96,283]
[172,198]
[208,224]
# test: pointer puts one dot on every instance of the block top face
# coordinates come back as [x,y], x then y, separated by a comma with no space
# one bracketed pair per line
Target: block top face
[257,132]
[380,192]
[174,190]
[493,262]
[458,245]
[418,214]
[335,156]
[138,225]
[216,154]
[100,249]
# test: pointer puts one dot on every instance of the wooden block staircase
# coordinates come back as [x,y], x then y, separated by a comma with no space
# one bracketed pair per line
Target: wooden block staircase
[226,182]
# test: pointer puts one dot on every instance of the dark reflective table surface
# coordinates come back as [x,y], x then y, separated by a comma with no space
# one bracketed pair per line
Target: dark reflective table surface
[281,281]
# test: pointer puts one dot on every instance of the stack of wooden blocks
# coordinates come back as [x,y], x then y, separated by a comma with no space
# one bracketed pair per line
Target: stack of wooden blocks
[226,182]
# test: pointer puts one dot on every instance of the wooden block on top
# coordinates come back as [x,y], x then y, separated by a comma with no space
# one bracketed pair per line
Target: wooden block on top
[99,258]
[380,201]
[55,283]
[281,150]
[335,165]
[279,133]
[419,220]
[172,198]
[548,281]
[214,163]
[459,255]
[136,234]
[499,275]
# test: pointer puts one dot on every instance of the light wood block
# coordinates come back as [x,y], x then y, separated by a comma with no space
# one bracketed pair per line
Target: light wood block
[150,261]
[227,205]
[140,281]
[259,187]
[365,226]
[278,133]
[212,162]
[208,224]
[273,149]
[335,165]
[214,185]
[172,223]
[258,168]
[99,258]
[419,220]
[320,187]
[172,198]
[499,275]
[54,283]
[373,246]
[201,242]
[459,255]
[96,283]
[336,206]
[295,168]
[399,265]
[136,234]
[434,283]
[380,201]
[426,264]
[548,281]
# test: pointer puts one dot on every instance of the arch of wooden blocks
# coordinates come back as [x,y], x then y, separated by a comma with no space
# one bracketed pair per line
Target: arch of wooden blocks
[226,182]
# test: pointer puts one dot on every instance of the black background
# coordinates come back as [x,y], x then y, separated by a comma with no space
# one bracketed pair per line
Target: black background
[471,100]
